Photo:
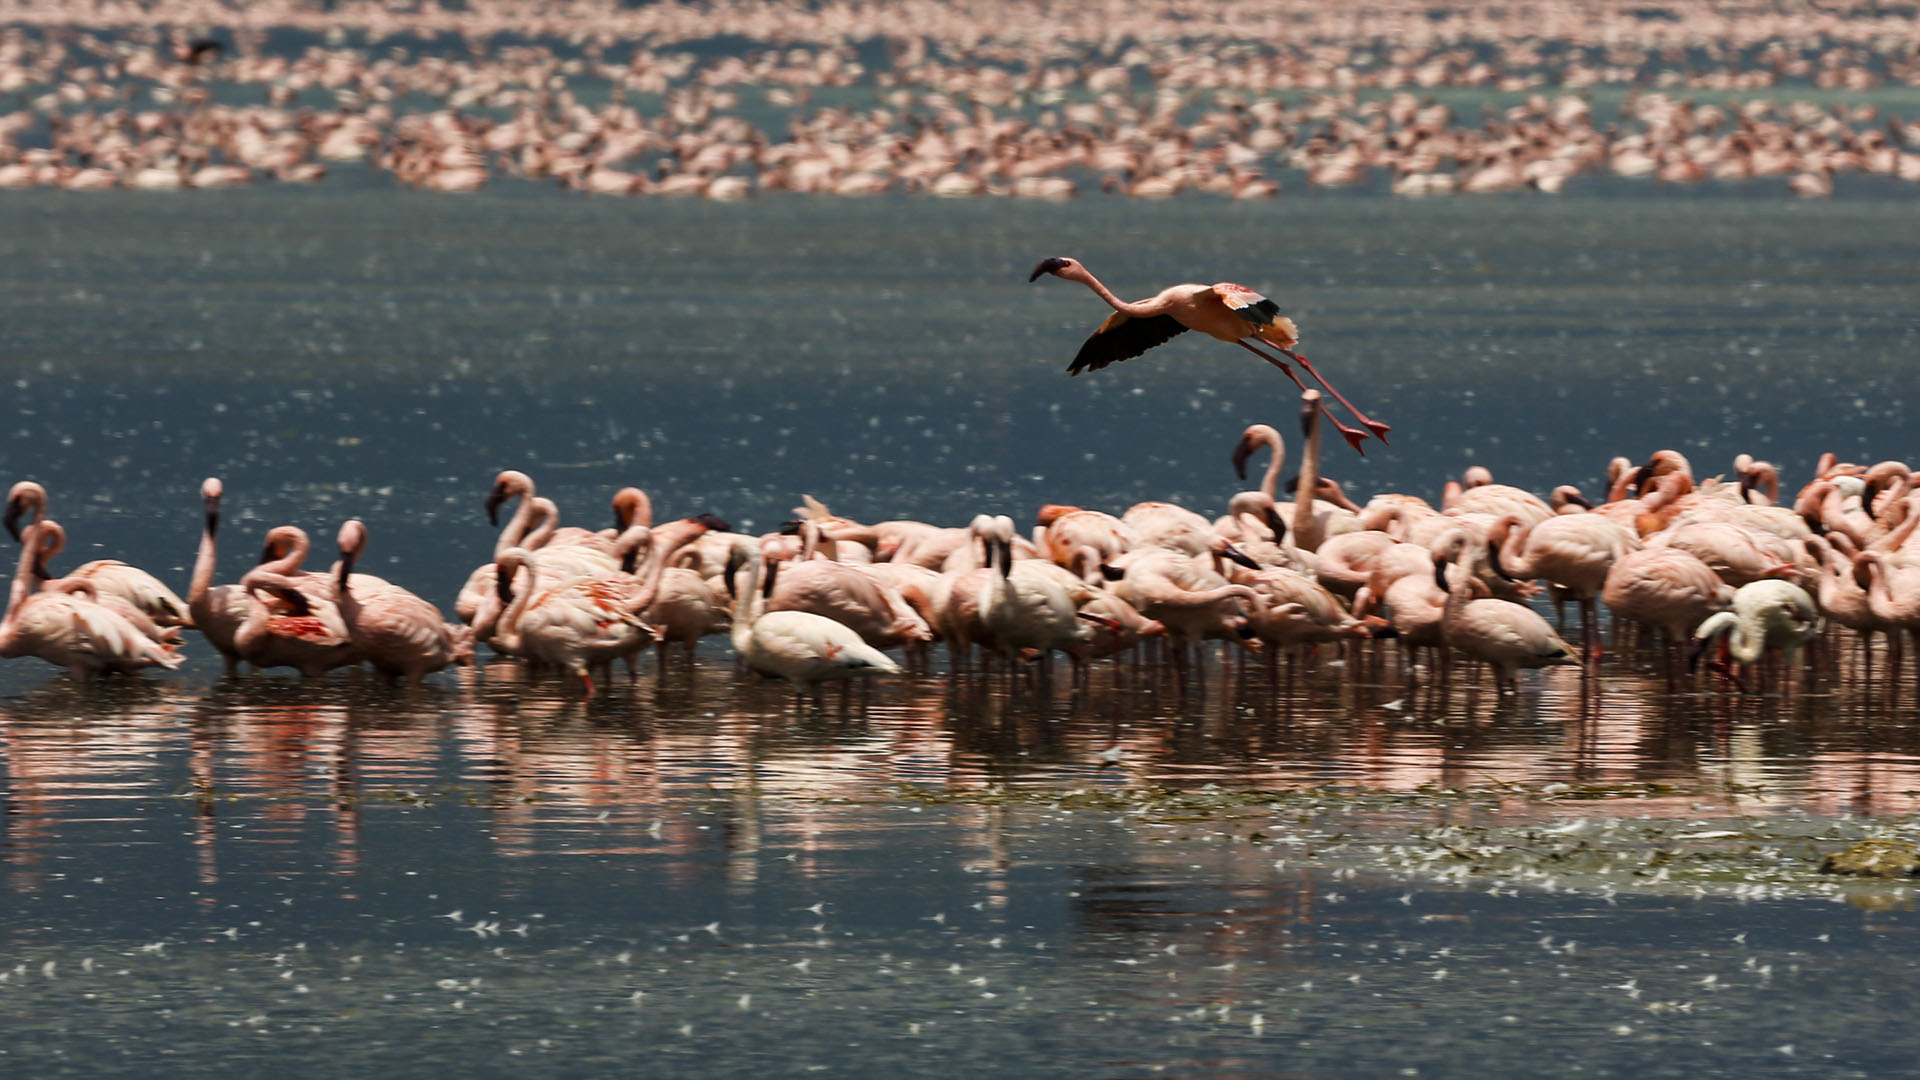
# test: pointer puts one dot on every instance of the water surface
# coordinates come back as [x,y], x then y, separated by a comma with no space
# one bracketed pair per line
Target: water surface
[1341,878]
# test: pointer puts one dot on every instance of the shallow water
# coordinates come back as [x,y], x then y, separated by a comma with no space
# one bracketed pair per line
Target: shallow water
[933,881]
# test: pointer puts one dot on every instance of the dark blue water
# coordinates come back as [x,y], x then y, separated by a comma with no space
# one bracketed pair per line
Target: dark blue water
[382,354]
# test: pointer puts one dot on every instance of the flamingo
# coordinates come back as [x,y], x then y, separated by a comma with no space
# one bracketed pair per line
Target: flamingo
[53,540]
[217,610]
[1668,589]
[1222,310]
[391,628]
[575,625]
[803,648]
[297,629]
[1506,635]
[1572,551]
[111,576]
[67,627]
[1766,614]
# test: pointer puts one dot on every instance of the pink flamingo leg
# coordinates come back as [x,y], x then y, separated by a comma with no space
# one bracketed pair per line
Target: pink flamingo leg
[1378,429]
[1354,436]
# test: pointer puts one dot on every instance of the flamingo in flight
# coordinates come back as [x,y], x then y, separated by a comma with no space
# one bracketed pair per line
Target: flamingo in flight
[1223,310]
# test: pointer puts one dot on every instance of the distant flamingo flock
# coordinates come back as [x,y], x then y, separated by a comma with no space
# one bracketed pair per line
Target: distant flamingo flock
[1721,570]
[1041,100]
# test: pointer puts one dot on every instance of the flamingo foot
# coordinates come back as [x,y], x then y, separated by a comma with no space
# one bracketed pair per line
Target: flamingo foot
[1378,429]
[1354,436]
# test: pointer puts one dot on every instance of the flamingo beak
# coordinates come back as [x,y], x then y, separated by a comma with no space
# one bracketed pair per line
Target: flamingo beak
[494,499]
[1240,557]
[1242,450]
[12,518]
[1046,266]
[1440,576]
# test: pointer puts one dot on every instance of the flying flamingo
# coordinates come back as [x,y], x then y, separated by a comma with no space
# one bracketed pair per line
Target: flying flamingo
[391,628]
[1222,310]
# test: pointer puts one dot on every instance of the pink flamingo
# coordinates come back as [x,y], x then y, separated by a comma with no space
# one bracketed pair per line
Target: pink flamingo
[1667,589]
[110,576]
[576,625]
[1572,551]
[53,540]
[68,628]
[1223,310]
[1506,635]
[397,632]
[295,629]
[217,610]
[799,646]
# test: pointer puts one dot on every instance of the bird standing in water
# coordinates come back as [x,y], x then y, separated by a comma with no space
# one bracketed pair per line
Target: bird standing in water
[1223,310]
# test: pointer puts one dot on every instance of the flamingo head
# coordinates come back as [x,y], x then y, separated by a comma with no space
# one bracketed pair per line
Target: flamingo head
[210,492]
[1052,266]
[26,495]
[509,483]
[352,541]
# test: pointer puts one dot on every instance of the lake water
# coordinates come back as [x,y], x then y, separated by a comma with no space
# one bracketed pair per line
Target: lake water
[689,876]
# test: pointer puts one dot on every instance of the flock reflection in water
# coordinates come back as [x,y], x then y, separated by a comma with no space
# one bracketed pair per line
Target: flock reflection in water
[680,764]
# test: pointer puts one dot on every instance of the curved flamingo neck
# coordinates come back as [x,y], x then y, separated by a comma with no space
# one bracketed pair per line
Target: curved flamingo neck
[296,554]
[1079,272]
[515,530]
[20,588]
[204,558]
[1270,480]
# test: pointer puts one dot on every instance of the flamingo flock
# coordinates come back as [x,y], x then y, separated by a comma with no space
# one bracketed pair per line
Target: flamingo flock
[1021,100]
[1716,580]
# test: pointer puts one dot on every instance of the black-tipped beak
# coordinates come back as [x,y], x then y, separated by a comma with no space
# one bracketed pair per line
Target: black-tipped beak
[494,499]
[1309,412]
[1045,266]
[267,554]
[503,585]
[12,518]
[734,563]
[1493,556]
[790,527]
[1579,500]
[1640,477]
[1242,450]
[1277,524]
[1440,575]
[1112,573]
[1240,557]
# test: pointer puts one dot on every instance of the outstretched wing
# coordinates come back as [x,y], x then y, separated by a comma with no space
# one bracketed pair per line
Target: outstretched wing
[1259,311]
[1121,338]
